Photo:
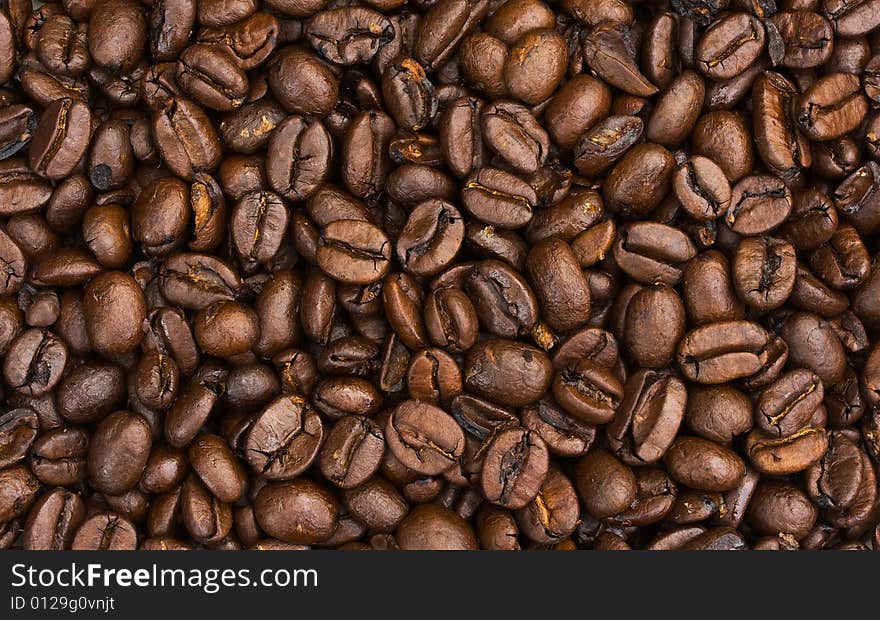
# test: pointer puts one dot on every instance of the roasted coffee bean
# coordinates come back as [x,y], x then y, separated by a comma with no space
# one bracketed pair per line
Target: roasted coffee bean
[515,468]
[299,157]
[702,464]
[588,391]
[648,418]
[677,110]
[651,252]
[606,486]
[423,437]
[701,188]
[218,468]
[559,284]
[18,429]
[353,251]
[284,439]
[637,184]
[34,362]
[430,239]
[186,139]
[105,531]
[118,452]
[211,77]
[53,521]
[493,365]
[117,34]
[352,451]
[18,123]
[789,403]
[61,138]
[606,50]
[723,351]
[729,46]
[764,272]
[512,132]
[430,527]
[451,320]
[433,376]
[786,455]
[831,107]
[499,198]
[564,434]
[206,518]
[758,204]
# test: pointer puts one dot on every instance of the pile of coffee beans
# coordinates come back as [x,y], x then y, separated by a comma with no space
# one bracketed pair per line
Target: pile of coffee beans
[440,274]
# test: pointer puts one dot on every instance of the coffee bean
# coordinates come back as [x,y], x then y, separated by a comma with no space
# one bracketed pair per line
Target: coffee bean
[493,365]
[431,527]
[284,438]
[297,511]
[515,468]
[424,437]
[593,473]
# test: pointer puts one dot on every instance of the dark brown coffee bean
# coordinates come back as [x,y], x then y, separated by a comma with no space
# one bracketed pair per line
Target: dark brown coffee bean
[226,328]
[424,437]
[763,272]
[493,365]
[651,253]
[605,485]
[431,527]
[211,77]
[18,429]
[195,281]
[34,362]
[352,452]
[353,251]
[431,238]
[284,439]
[105,531]
[705,465]
[677,110]
[186,139]
[206,518]
[365,162]
[61,138]
[729,46]
[515,468]
[606,50]
[789,403]
[723,351]
[499,198]
[117,34]
[217,467]
[588,391]
[118,452]
[786,455]
[831,107]
[53,521]
[648,418]
[512,132]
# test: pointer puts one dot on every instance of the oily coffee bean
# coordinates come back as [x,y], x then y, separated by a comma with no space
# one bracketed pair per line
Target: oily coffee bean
[431,238]
[456,275]
[283,440]
[763,272]
[514,468]
[353,251]
[493,365]
[118,452]
[53,521]
[424,437]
